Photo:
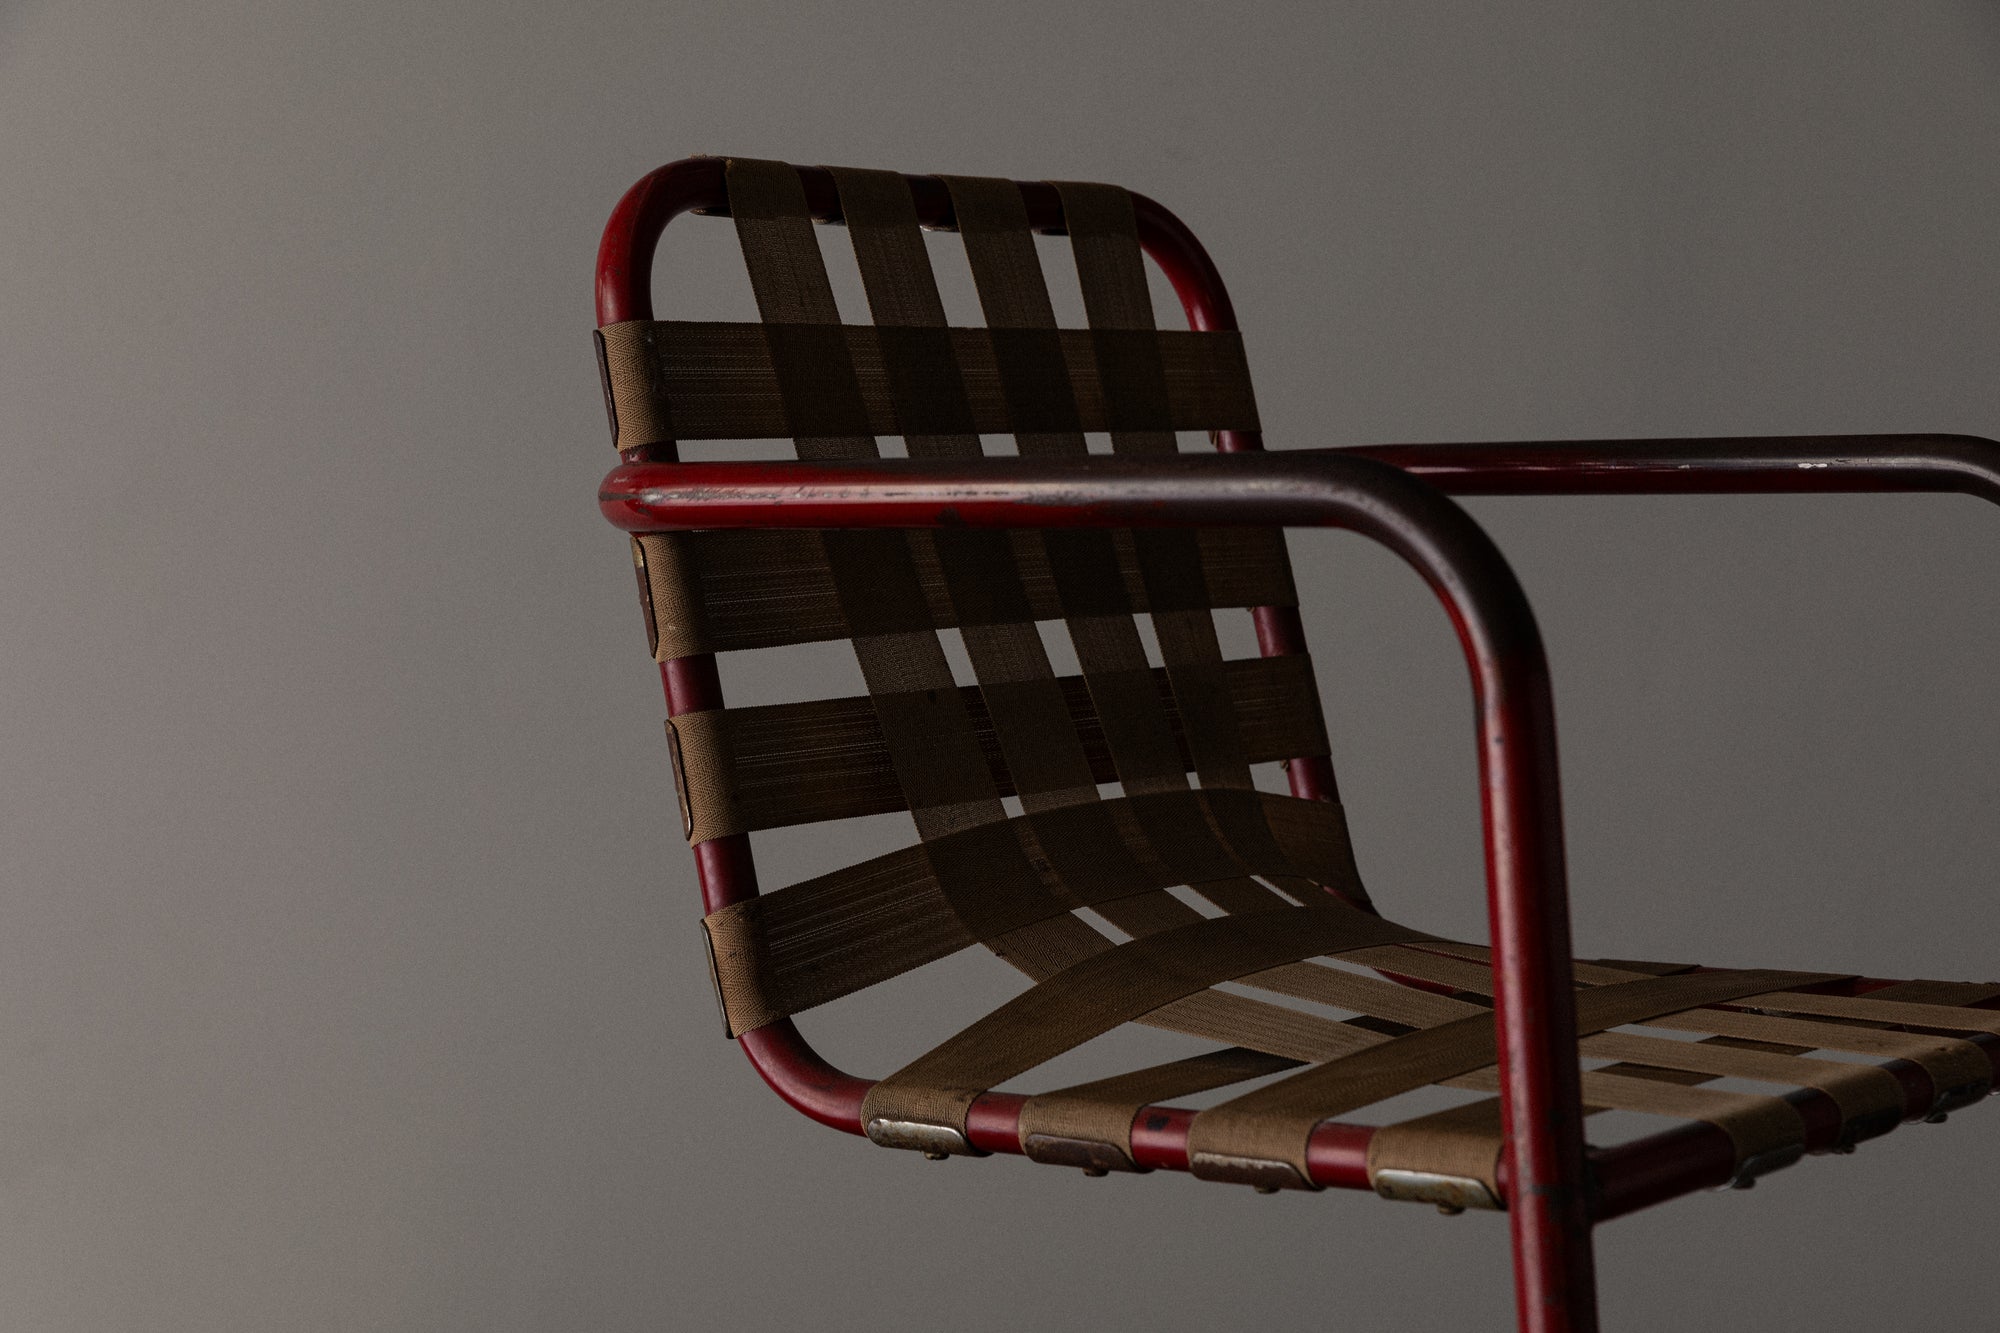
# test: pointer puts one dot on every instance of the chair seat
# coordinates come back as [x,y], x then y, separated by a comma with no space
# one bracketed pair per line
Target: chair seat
[1834,1059]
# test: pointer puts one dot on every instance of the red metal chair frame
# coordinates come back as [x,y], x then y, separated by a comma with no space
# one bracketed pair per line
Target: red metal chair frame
[1555,1190]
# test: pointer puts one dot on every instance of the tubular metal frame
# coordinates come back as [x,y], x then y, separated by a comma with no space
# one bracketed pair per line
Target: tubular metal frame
[1555,1191]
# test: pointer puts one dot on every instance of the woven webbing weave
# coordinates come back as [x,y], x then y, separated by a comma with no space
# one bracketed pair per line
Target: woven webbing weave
[1099,828]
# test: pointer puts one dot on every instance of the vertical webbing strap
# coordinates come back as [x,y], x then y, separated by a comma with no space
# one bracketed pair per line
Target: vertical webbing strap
[993,222]
[1032,723]
[927,730]
[1112,277]
[925,725]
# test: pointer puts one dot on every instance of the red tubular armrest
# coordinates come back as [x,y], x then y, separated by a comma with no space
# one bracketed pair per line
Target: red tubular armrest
[1527,902]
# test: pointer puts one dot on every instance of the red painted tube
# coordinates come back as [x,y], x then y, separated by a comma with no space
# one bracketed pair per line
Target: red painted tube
[1967,464]
[1526,895]
[1336,1155]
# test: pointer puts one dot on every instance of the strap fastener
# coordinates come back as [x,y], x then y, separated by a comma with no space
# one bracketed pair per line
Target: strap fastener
[715,978]
[1763,1164]
[1265,1174]
[933,1141]
[1093,1156]
[1451,1194]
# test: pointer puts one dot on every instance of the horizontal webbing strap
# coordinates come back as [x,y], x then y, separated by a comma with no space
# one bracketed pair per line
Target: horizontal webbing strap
[1863,1092]
[1871,1009]
[800,946]
[1465,1141]
[726,590]
[1587,972]
[684,380]
[1271,1125]
[1953,1065]
[1090,1124]
[1118,986]
[820,759]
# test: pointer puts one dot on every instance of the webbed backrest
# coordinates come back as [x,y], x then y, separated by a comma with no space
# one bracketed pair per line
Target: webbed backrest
[1100,762]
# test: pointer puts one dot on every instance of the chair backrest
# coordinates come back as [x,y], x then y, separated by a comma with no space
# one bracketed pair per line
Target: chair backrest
[1097,766]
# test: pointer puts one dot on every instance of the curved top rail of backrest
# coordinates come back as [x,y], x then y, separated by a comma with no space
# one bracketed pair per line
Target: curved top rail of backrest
[698,185]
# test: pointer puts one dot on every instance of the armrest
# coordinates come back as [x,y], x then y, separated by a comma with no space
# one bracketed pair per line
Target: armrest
[1966,464]
[1527,903]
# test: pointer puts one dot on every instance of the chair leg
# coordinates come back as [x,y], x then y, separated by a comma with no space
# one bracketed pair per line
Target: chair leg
[1555,1272]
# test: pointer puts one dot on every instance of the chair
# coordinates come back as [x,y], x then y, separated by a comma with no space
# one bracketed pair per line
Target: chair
[1127,789]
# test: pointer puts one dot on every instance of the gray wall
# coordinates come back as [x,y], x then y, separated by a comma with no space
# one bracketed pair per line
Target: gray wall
[348,970]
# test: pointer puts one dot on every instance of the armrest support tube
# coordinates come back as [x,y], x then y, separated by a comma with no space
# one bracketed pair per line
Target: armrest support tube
[1527,902]
[1966,464]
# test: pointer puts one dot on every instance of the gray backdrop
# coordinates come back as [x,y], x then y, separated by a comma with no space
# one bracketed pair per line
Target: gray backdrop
[348,967]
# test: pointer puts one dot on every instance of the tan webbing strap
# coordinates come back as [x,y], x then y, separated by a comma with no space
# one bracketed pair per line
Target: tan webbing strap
[1598,973]
[1459,974]
[667,593]
[1760,1126]
[1090,1125]
[1111,276]
[765,589]
[924,721]
[695,380]
[1403,1005]
[1871,1009]
[1965,993]
[1868,1095]
[1452,1157]
[821,759]
[1030,718]
[1099,993]
[1432,1157]
[1031,722]
[1464,1142]
[1958,1070]
[808,943]
[993,222]
[1044,758]
[1262,1135]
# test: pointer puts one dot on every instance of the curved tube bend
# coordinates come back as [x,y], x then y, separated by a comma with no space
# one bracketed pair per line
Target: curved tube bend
[1527,902]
